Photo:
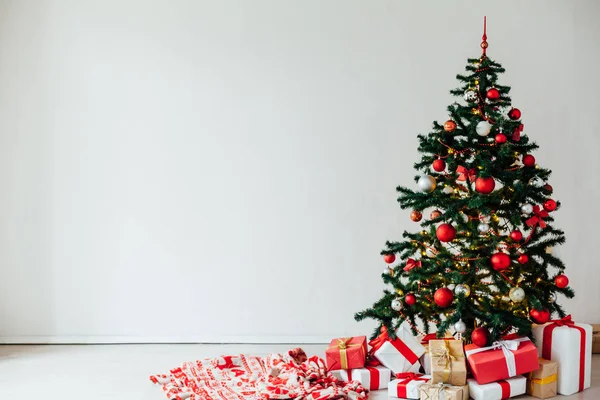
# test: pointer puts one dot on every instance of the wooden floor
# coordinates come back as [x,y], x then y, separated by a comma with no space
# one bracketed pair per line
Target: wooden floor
[120,372]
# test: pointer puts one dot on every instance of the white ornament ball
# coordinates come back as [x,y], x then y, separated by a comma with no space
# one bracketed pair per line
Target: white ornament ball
[462,288]
[448,190]
[464,217]
[483,128]
[451,286]
[537,182]
[460,326]
[526,208]
[470,95]
[387,271]
[483,227]
[552,298]
[430,252]
[396,305]
[426,183]
[516,294]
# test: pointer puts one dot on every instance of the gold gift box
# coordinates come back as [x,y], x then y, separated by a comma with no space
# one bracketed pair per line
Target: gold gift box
[439,391]
[448,363]
[542,383]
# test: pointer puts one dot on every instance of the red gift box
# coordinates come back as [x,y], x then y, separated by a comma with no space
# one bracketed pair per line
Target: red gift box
[347,353]
[505,359]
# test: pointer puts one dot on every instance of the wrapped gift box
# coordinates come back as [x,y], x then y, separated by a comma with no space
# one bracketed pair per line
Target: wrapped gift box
[570,345]
[372,378]
[509,357]
[406,386]
[441,391]
[503,389]
[401,354]
[542,383]
[347,353]
[425,360]
[447,360]
[596,338]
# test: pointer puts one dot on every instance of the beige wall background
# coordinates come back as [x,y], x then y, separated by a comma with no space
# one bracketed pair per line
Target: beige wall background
[226,170]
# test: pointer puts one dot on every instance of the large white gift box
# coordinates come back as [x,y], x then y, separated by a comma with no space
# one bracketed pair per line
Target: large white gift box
[570,345]
[407,385]
[500,390]
[401,354]
[372,378]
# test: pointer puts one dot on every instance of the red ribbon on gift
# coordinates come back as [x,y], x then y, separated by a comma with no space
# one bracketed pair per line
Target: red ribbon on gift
[516,136]
[410,264]
[539,213]
[383,337]
[547,345]
[373,378]
[505,386]
[401,388]
[432,336]
[464,173]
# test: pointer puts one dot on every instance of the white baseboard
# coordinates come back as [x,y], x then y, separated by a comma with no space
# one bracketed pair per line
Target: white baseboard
[164,339]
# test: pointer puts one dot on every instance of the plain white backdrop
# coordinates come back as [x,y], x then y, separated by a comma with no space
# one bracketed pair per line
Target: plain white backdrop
[226,170]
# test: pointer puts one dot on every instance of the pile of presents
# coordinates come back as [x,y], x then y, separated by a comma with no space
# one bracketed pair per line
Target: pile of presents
[430,368]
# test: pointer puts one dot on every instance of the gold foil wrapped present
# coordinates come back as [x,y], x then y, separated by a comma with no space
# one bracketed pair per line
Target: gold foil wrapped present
[448,363]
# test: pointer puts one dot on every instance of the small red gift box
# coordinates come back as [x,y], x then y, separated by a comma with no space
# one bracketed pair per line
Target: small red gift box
[505,359]
[347,353]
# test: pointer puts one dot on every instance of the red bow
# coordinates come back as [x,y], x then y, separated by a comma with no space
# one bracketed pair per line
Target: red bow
[379,340]
[537,218]
[410,264]
[409,375]
[566,321]
[516,136]
[464,173]
[433,336]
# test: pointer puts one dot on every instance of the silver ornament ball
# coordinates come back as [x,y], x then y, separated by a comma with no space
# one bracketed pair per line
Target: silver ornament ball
[387,271]
[483,227]
[426,183]
[537,182]
[470,95]
[451,286]
[448,190]
[460,326]
[430,252]
[462,288]
[396,305]
[483,128]
[526,208]
[552,298]
[516,295]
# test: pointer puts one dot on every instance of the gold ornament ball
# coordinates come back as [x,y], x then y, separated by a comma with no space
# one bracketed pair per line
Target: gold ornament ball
[449,126]
[416,215]
[516,294]
[484,45]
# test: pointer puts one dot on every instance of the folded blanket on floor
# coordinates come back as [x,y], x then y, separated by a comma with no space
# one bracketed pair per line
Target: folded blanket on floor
[277,376]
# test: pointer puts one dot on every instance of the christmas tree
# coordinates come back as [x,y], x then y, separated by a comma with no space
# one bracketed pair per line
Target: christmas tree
[480,265]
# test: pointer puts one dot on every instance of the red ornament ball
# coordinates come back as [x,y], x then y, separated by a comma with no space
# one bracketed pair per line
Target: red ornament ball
[443,297]
[523,259]
[514,114]
[485,185]
[561,281]
[549,205]
[445,233]
[410,299]
[500,261]
[480,336]
[539,316]
[416,216]
[435,214]
[548,188]
[528,160]
[500,138]
[389,258]
[449,126]
[439,165]
[493,94]
[516,235]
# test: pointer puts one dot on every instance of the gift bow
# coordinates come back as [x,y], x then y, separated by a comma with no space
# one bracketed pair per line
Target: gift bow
[342,345]
[566,321]
[407,377]
[445,357]
[539,213]
[507,347]
[516,136]
[464,173]
[410,264]
[439,391]
[398,344]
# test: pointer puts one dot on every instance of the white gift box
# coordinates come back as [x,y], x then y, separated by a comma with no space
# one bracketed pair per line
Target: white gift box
[497,390]
[566,347]
[409,389]
[402,354]
[372,378]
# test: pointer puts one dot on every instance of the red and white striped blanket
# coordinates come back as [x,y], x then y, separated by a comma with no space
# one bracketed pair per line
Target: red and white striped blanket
[241,377]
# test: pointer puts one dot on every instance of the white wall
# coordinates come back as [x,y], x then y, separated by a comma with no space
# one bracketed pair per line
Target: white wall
[225,170]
